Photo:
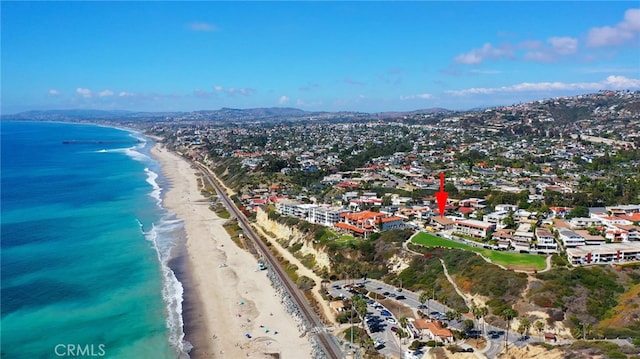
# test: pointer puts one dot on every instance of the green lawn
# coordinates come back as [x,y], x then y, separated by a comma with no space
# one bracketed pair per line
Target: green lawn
[507,259]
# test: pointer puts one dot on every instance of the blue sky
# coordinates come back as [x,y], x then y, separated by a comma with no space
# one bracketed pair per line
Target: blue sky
[332,56]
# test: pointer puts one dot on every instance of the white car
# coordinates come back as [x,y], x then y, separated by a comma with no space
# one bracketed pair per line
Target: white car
[391,321]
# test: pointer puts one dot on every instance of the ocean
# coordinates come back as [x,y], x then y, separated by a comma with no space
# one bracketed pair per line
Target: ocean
[85,245]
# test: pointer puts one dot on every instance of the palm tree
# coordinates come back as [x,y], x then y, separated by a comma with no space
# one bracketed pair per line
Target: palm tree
[524,326]
[404,321]
[401,333]
[450,315]
[360,305]
[484,311]
[539,326]
[507,315]
[458,314]
[423,298]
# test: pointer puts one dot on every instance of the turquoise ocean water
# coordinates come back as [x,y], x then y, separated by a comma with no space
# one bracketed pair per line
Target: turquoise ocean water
[85,244]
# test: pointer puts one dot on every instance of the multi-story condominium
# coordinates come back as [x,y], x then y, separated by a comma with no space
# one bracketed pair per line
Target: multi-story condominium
[441,223]
[546,240]
[474,228]
[389,223]
[325,215]
[606,253]
[570,238]
[294,208]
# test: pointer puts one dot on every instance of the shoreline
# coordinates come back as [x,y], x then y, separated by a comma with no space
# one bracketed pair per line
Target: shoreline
[230,309]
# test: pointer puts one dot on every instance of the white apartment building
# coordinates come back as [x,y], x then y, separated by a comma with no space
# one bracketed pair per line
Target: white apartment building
[325,215]
[473,228]
[294,208]
[605,253]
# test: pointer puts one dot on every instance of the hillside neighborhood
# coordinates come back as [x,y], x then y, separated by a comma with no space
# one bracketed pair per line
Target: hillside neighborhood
[553,176]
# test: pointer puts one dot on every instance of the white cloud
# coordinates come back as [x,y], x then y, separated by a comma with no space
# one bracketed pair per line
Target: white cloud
[564,45]
[105,93]
[487,51]
[54,92]
[422,96]
[621,82]
[283,100]
[126,94]
[610,83]
[201,26]
[232,91]
[86,93]
[617,35]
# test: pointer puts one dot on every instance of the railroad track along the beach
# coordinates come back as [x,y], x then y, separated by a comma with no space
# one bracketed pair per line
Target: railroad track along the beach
[314,326]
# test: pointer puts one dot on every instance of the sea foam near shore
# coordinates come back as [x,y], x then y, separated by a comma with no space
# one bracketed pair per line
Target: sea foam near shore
[85,245]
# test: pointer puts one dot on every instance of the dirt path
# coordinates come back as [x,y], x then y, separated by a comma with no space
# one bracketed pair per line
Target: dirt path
[467,300]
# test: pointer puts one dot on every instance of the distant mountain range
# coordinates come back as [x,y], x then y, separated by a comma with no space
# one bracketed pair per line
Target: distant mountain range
[228,114]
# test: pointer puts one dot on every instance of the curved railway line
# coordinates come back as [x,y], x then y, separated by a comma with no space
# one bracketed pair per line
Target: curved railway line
[314,326]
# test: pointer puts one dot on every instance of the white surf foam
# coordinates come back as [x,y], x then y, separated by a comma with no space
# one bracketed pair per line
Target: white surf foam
[163,236]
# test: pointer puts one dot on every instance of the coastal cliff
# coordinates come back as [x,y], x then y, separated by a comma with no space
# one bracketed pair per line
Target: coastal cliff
[291,237]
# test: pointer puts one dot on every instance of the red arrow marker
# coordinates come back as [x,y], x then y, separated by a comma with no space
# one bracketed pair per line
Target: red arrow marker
[441,197]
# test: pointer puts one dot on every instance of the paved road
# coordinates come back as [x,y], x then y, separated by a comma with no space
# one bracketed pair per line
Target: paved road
[494,345]
[391,341]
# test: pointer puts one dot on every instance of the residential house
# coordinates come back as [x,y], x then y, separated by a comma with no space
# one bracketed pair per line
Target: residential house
[624,209]
[503,237]
[433,330]
[546,240]
[610,220]
[590,239]
[615,234]
[583,222]
[570,238]
[496,218]
[506,208]
[522,237]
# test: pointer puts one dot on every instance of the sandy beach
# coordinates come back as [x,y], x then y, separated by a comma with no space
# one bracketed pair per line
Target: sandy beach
[234,311]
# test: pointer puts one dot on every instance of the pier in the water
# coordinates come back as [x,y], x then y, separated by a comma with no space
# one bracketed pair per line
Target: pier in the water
[93,142]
